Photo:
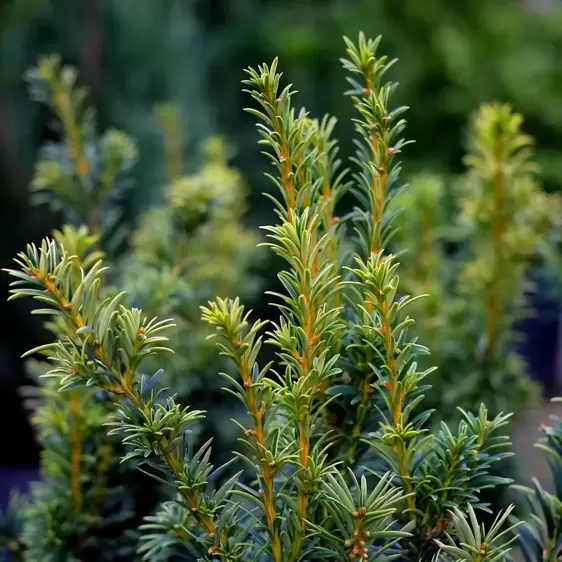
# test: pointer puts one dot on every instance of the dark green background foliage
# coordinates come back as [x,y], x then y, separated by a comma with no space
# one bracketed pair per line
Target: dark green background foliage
[129,65]
[453,56]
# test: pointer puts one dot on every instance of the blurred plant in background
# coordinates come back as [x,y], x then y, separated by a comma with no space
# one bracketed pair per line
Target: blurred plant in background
[12,521]
[473,242]
[453,57]
[185,250]
[130,63]
[471,249]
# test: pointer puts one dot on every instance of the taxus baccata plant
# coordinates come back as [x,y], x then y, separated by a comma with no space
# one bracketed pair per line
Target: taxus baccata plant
[88,505]
[341,343]
[472,248]
[184,252]
[86,176]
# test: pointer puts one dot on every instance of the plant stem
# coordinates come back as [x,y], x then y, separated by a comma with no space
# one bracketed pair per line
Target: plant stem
[377,199]
[169,116]
[378,187]
[63,107]
[395,399]
[284,158]
[366,391]
[125,389]
[549,555]
[305,424]
[305,420]
[494,304]
[266,472]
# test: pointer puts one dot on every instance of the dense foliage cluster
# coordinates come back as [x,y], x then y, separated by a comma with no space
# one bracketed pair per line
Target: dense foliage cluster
[471,248]
[88,504]
[165,266]
[452,57]
[337,460]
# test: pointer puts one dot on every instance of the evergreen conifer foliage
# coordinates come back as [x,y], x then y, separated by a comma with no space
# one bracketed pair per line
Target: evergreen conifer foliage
[84,174]
[88,505]
[379,485]
[473,256]
[11,529]
[87,173]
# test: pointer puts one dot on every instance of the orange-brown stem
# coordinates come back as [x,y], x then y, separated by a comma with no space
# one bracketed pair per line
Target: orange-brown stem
[393,386]
[62,105]
[396,397]
[285,163]
[378,192]
[494,305]
[269,499]
[305,423]
[378,195]
[172,147]
[402,456]
[124,388]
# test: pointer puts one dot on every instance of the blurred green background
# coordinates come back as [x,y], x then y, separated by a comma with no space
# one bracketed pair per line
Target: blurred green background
[133,54]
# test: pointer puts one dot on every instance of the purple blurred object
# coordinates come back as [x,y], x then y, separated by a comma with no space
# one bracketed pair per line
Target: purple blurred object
[543,335]
[15,478]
